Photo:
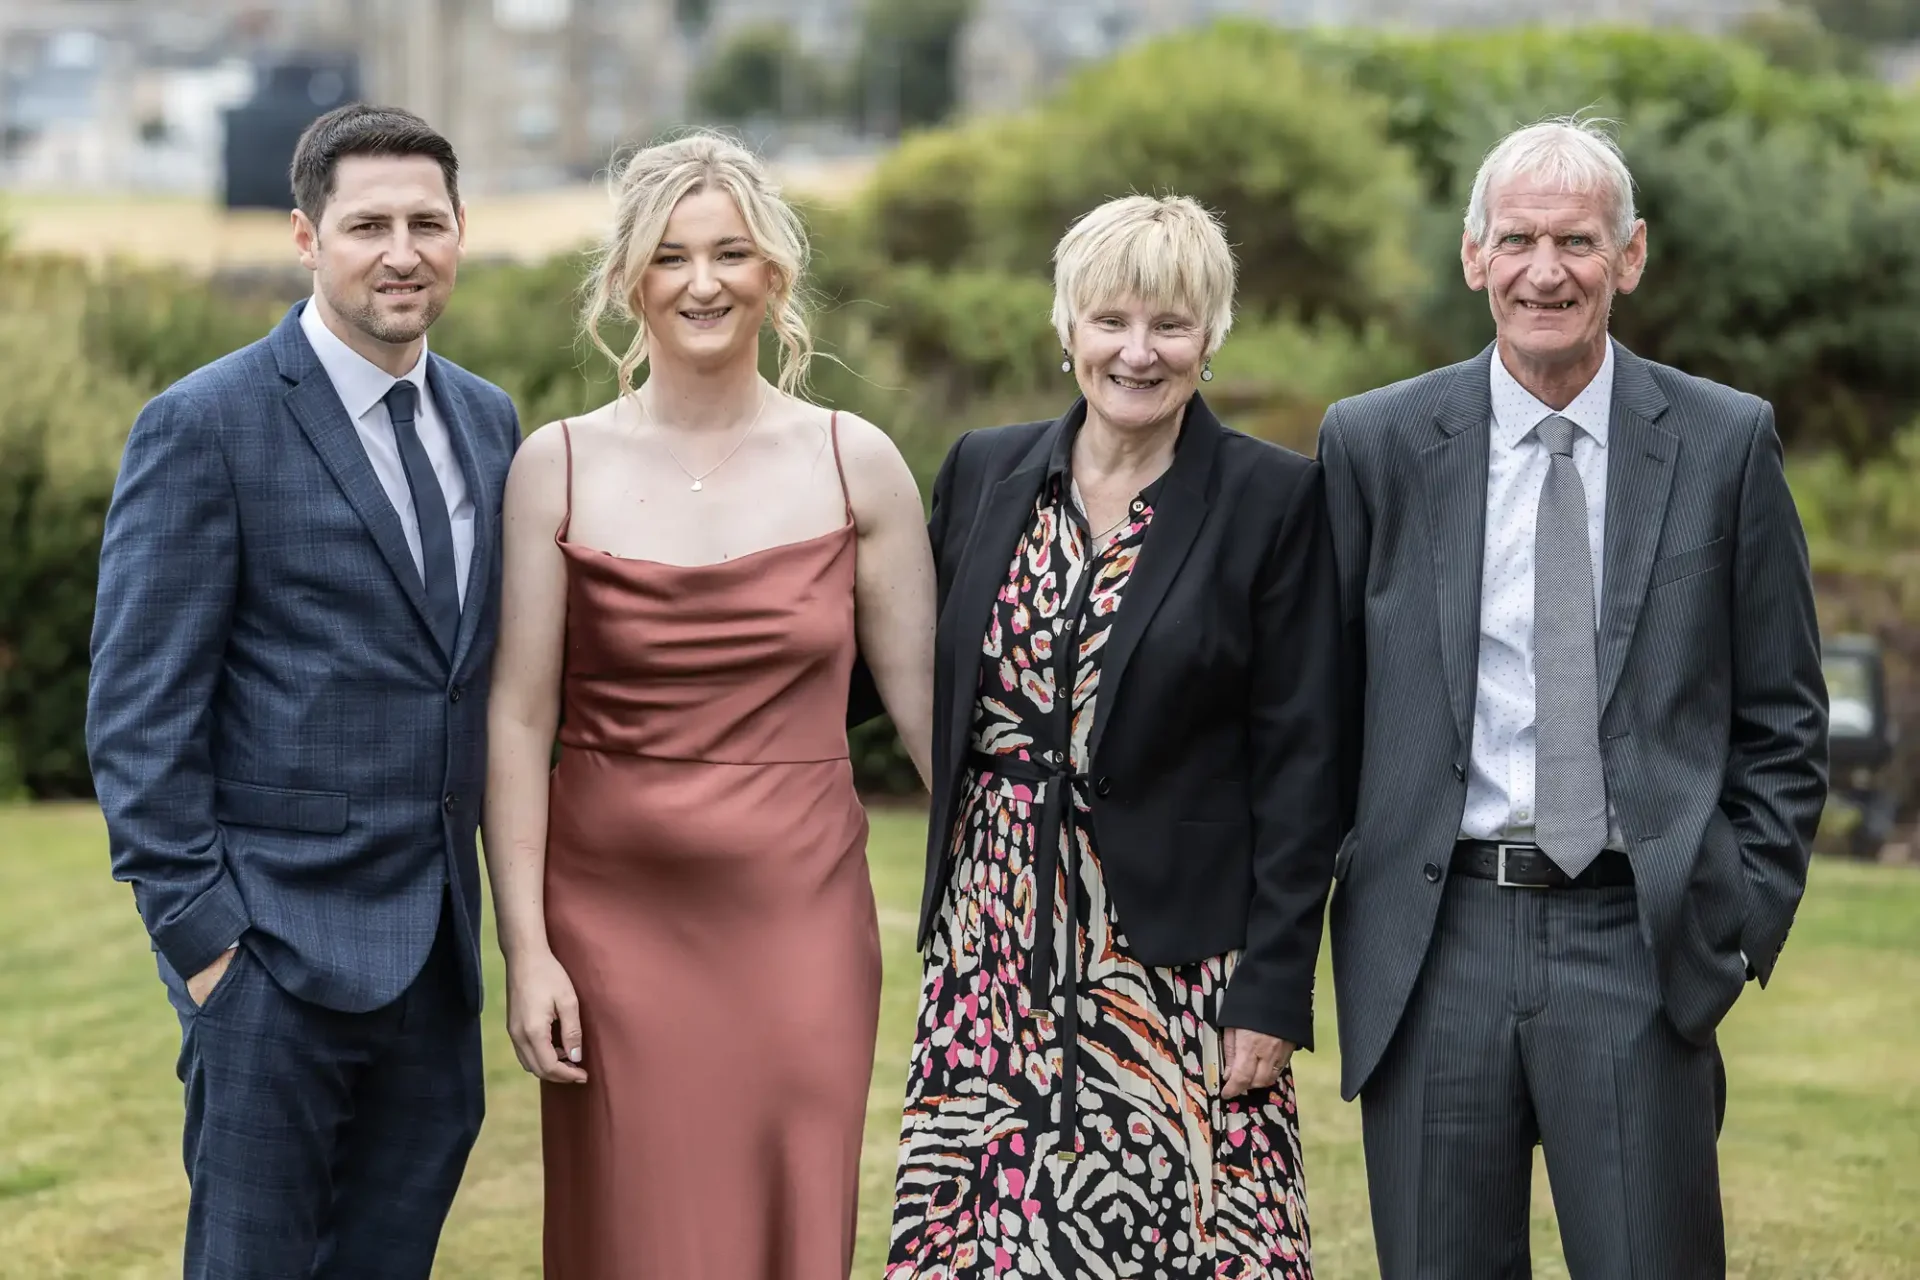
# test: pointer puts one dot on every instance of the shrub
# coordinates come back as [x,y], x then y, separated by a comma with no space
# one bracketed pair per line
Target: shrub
[1315,200]
[63,419]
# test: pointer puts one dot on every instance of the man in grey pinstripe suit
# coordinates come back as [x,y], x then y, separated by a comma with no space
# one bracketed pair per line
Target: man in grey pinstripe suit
[1591,752]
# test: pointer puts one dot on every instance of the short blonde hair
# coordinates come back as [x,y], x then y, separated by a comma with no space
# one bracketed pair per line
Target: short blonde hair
[646,189]
[1166,251]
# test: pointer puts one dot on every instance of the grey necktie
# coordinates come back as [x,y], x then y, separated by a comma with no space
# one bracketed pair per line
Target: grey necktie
[430,509]
[1570,787]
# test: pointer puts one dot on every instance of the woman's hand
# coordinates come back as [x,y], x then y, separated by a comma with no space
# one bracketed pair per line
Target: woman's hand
[1254,1061]
[539,995]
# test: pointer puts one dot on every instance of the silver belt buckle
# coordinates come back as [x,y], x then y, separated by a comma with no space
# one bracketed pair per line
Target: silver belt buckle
[1500,867]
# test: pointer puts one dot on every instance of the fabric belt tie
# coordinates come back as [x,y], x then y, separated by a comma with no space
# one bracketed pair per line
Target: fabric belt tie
[1056,820]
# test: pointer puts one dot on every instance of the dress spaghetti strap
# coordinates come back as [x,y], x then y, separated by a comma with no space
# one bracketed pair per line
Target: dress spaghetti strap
[566,520]
[846,495]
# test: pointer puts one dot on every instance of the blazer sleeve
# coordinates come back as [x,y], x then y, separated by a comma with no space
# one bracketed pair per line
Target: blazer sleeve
[1294,716]
[1776,779]
[1351,533]
[169,561]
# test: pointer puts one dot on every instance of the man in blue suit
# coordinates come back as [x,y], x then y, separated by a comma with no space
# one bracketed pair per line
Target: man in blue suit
[286,722]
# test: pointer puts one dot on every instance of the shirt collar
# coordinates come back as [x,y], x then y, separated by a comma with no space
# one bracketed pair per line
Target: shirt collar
[360,383]
[1516,411]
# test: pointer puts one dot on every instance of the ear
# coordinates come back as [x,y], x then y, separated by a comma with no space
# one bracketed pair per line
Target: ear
[1471,265]
[1633,262]
[460,221]
[306,241]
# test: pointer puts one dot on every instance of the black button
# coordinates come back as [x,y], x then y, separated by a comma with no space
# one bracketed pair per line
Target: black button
[1460,773]
[1102,787]
[450,801]
[453,694]
[1432,873]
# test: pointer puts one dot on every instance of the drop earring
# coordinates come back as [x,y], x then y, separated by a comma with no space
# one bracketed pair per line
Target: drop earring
[1206,372]
[1066,361]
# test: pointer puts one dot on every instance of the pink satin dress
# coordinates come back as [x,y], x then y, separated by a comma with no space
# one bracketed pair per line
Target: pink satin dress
[707,892]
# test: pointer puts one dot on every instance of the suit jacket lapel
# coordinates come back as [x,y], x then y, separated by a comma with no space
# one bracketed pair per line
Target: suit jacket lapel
[316,406]
[983,568]
[479,569]
[1455,473]
[1639,475]
[1177,517]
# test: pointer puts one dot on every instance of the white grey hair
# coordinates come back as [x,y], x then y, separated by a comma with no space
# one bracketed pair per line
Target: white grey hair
[1569,154]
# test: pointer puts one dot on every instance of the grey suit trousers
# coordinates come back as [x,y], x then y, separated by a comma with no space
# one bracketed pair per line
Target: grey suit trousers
[1537,1018]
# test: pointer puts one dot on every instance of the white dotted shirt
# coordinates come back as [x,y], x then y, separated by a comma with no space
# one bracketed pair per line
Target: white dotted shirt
[1500,782]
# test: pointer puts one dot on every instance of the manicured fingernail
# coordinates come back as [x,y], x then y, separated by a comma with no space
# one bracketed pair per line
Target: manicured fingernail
[573,1055]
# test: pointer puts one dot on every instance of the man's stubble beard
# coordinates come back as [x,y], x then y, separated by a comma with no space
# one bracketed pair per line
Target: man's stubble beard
[367,319]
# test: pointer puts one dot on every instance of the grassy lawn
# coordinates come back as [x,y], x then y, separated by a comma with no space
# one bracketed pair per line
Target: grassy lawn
[1821,1151]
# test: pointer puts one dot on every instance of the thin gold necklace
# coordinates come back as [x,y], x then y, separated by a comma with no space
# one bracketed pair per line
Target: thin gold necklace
[647,416]
[1080,501]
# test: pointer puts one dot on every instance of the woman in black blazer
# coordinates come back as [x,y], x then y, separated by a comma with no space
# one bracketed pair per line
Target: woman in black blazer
[1135,701]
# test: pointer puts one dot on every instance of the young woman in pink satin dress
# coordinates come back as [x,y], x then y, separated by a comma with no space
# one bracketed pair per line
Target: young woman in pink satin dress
[693,966]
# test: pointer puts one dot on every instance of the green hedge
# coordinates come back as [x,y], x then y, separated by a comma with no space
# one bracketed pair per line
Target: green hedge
[63,418]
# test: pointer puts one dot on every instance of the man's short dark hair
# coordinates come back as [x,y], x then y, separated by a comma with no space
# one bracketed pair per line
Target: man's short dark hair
[361,130]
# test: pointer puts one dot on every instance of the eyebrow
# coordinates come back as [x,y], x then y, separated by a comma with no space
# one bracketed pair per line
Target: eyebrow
[375,215]
[721,243]
[1531,229]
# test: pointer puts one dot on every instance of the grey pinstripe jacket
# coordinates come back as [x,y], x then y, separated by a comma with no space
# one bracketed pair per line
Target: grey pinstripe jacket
[1713,718]
[282,750]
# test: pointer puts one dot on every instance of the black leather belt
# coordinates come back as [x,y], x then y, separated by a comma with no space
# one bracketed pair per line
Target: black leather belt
[1055,829]
[1526,866]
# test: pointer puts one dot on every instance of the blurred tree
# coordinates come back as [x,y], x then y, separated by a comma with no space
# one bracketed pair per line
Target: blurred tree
[1793,39]
[904,73]
[762,73]
[693,15]
[1871,21]
[1316,202]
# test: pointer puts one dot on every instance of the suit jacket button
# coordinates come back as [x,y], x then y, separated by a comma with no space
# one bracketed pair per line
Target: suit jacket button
[1459,773]
[1102,787]
[1432,873]
[453,694]
[449,801]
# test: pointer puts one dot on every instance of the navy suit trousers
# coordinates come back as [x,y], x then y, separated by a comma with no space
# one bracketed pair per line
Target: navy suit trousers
[323,1145]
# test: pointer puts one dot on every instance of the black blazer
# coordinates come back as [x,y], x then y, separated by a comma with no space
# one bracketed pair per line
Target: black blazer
[1215,804]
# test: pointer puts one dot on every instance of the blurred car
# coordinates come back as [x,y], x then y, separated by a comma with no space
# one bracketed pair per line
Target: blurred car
[1861,740]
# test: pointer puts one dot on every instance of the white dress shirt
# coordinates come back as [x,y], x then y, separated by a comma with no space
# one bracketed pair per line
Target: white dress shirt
[362,387]
[1500,783]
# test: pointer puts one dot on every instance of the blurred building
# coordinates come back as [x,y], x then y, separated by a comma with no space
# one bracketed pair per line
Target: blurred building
[112,94]
[1015,50]
[131,93]
[531,92]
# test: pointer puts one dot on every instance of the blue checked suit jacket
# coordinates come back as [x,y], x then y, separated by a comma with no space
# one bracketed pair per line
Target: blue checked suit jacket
[283,752]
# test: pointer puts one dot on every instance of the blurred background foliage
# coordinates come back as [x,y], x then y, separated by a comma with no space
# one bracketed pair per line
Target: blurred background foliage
[1782,193]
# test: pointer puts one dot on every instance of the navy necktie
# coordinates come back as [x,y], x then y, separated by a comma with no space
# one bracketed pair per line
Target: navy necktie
[430,510]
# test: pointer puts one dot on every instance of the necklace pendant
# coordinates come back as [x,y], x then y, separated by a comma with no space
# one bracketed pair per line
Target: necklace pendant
[696,486]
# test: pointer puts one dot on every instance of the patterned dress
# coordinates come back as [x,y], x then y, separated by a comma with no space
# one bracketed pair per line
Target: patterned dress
[1165,1179]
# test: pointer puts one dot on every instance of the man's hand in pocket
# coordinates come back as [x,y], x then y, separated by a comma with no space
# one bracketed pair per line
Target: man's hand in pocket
[201,984]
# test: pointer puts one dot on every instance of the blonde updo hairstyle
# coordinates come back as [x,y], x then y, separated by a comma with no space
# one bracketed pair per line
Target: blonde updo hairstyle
[1165,251]
[646,190]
